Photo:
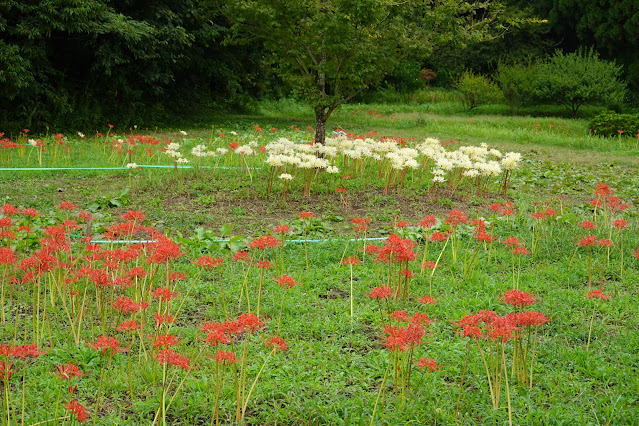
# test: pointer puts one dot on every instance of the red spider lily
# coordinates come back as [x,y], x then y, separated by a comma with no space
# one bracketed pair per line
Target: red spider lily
[403,338]
[129,325]
[360,221]
[6,222]
[508,212]
[496,207]
[455,217]
[399,316]
[372,249]
[225,358]
[208,262]
[264,242]
[589,241]
[68,371]
[107,344]
[128,306]
[605,242]
[134,215]
[241,256]
[429,264]
[620,224]
[164,341]
[429,363]
[603,189]
[383,292]
[521,251]
[427,300]
[264,264]
[163,294]
[277,343]
[67,206]
[76,408]
[597,294]
[511,242]
[286,281]
[438,237]
[170,357]
[482,236]
[397,249]
[401,224]
[282,229]
[9,210]
[527,319]
[250,321]
[163,250]
[160,319]
[586,224]
[29,212]
[216,337]
[305,215]
[428,221]
[6,256]
[407,273]
[518,298]
[21,351]
[351,261]
[538,215]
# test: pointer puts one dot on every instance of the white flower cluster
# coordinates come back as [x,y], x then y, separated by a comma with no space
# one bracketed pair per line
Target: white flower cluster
[172,151]
[200,151]
[471,161]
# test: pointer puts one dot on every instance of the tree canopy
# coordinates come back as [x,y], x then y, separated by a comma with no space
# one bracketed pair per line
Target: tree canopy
[331,50]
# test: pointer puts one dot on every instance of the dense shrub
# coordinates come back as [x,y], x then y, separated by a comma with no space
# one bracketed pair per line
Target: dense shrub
[580,78]
[517,83]
[477,90]
[613,124]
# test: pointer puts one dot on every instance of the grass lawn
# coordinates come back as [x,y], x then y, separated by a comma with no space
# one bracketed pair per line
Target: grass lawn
[379,341]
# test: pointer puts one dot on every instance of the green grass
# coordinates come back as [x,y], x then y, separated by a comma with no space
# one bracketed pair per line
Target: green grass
[333,370]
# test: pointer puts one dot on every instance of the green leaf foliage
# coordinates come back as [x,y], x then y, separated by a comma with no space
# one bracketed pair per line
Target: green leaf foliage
[81,64]
[613,124]
[477,90]
[331,50]
[517,83]
[580,78]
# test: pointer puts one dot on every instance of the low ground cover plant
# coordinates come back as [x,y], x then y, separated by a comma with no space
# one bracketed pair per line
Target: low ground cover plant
[476,315]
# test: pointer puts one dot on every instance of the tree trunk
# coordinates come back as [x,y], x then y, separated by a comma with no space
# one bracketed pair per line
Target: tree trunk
[320,125]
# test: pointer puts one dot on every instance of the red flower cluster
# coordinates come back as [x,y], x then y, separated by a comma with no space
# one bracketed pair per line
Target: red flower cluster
[597,294]
[455,218]
[282,229]
[208,262]
[170,357]
[264,242]
[396,249]
[68,371]
[286,281]
[489,325]
[223,333]
[107,344]
[277,343]
[428,221]
[351,260]
[518,298]
[591,240]
[383,292]
[429,363]
[225,358]
[76,408]
[128,306]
